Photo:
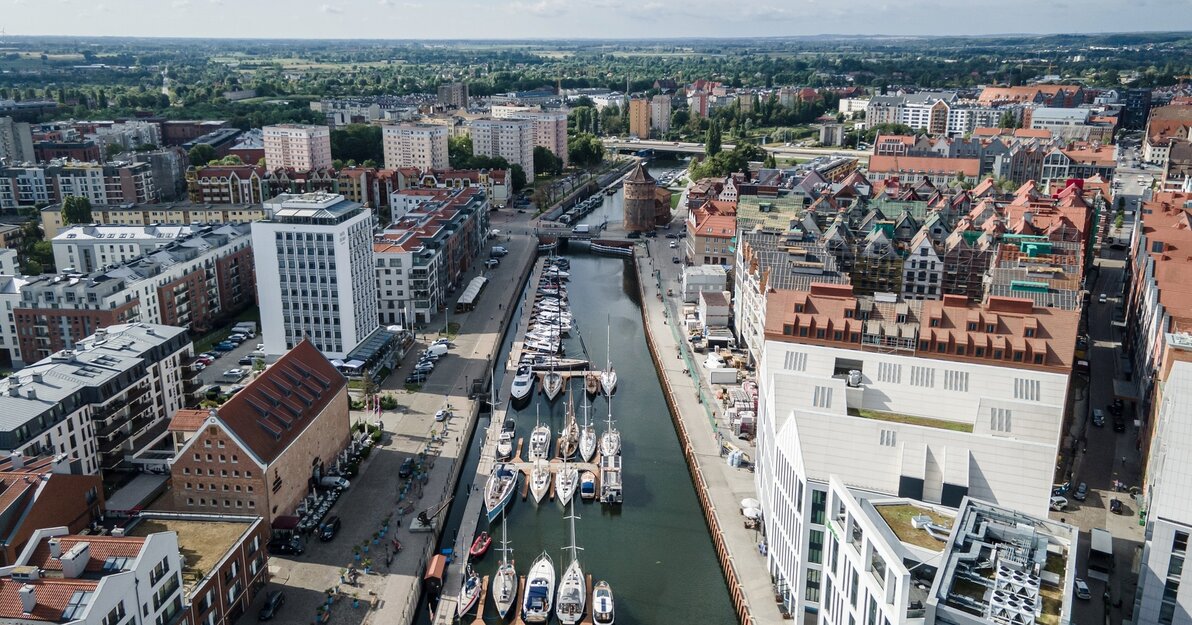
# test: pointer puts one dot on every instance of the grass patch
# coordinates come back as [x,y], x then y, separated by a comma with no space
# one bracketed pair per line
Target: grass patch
[413,388]
[675,197]
[894,417]
[898,517]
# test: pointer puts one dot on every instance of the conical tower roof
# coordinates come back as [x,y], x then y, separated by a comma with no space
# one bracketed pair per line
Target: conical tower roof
[639,174]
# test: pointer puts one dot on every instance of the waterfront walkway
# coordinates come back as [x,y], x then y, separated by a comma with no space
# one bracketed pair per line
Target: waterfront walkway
[704,430]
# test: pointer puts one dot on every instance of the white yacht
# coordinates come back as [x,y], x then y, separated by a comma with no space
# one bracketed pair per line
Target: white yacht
[540,590]
[539,480]
[505,581]
[523,383]
[573,588]
[552,384]
[587,436]
[602,604]
[566,483]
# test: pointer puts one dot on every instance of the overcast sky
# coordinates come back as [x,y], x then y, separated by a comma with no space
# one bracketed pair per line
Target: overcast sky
[470,19]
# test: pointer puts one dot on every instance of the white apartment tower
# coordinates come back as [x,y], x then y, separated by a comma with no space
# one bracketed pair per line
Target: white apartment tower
[423,146]
[315,274]
[660,113]
[300,147]
[511,139]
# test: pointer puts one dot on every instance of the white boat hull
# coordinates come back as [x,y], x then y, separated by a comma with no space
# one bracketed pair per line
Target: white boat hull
[610,443]
[539,482]
[608,381]
[540,591]
[587,443]
[552,385]
[505,589]
[603,611]
[572,590]
[566,483]
[540,443]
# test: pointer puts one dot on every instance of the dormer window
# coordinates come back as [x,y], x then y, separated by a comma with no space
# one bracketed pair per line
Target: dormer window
[1030,332]
[989,328]
[972,326]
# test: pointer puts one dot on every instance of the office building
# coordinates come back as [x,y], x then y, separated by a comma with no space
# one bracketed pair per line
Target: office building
[510,139]
[423,146]
[639,118]
[297,146]
[453,95]
[16,142]
[106,399]
[260,451]
[1136,108]
[83,249]
[315,273]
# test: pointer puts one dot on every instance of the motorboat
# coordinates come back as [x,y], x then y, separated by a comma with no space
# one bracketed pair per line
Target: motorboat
[552,384]
[587,485]
[523,383]
[469,593]
[540,590]
[505,446]
[540,442]
[592,383]
[602,603]
[573,588]
[499,489]
[587,436]
[544,363]
[566,483]
[480,545]
[504,584]
[539,480]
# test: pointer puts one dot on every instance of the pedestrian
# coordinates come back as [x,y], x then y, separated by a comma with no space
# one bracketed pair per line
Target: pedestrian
[1123,461]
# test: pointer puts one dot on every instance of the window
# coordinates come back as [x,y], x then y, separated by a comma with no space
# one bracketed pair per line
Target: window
[922,376]
[1026,389]
[956,381]
[822,397]
[819,503]
[815,549]
[889,372]
[999,419]
[813,585]
[795,361]
[888,438]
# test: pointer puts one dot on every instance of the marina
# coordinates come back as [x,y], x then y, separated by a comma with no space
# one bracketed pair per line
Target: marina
[622,542]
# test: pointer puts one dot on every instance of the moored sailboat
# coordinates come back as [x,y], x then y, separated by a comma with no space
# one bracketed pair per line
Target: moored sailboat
[572,587]
[587,436]
[469,592]
[539,441]
[566,483]
[502,483]
[539,480]
[610,440]
[504,584]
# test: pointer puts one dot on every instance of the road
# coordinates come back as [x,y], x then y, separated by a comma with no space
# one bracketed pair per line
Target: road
[1108,456]
[698,148]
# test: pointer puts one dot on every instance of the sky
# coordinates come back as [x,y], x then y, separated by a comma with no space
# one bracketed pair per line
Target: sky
[551,19]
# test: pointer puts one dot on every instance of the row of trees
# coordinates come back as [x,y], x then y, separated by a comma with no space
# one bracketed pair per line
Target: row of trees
[459,155]
[722,163]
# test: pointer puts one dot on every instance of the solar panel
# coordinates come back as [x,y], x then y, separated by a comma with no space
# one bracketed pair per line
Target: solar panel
[77,605]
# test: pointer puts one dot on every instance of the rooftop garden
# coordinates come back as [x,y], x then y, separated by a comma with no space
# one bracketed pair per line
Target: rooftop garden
[894,417]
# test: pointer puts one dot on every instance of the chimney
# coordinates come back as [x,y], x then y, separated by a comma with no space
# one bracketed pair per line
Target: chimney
[14,388]
[28,599]
[31,393]
[17,459]
[55,548]
[37,379]
[74,562]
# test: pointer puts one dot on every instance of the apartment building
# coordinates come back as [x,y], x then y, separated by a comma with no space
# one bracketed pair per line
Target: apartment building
[711,230]
[176,213]
[259,452]
[423,146]
[315,273]
[639,118]
[939,171]
[16,141]
[302,147]
[124,135]
[495,182]
[84,249]
[1065,96]
[102,402]
[42,492]
[660,113]
[113,183]
[453,95]
[94,580]
[437,238]
[24,186]
[550,127]
[226,184]
[931,401]
[193,282]
[510,139]
[11,283]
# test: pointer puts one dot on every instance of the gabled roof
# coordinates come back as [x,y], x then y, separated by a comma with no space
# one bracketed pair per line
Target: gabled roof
[100,549]
[276,407]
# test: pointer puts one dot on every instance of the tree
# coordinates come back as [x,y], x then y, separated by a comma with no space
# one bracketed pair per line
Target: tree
[518,177]
[1007,120]
[770,162]
[76,210]
[712,139]
[459,151]
[201,154]
[357,142]
[585,150]
[545,162]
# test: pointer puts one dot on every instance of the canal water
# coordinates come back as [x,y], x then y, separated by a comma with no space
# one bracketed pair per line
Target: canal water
[612,211]
[654,549]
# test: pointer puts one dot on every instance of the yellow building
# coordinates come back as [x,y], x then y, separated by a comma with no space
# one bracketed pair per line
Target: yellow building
[639,118]
[170,213]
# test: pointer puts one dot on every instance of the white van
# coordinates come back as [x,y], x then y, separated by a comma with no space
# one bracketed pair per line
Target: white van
[437,350]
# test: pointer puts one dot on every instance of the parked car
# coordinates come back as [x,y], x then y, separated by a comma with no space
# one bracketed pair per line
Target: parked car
[286,547]
[246,360]
[424,367]
[204,360]
[1059,504]
[443,342]
[416,378]
[674,244]
[1101,299]
[1098,418]
[492,262]
[1115,407]
[225,346]
[1119,424]
[671,235]
[332,481]
[237,337]
[652,234]
[273,602]
[675,259]
[1115,506]
[443,415]
[329,529]
[406,469]
[634,234]
[1081,588]
[234,374]
[1082,491]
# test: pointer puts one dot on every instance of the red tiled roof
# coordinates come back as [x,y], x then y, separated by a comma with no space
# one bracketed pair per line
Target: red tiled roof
[52,597]
[275,408]
[919,164]
[188,420]
[101,548]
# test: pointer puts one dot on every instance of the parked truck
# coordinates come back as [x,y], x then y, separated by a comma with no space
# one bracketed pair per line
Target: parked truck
[1100,554]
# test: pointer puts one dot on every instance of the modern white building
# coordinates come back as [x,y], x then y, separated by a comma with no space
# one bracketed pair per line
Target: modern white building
[315,275]
[1161,597]
[91,247]
[550,127]
[94,580]
[127,135]
[660,113]
[16,141]
[876,418]
[510,139]
[423,146]
[301,147]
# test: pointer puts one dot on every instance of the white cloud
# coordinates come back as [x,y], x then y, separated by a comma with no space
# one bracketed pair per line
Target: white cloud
[540,8]
[332,9]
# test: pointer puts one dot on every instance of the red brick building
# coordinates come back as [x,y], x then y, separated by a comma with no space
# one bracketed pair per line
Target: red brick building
[36,496]
[261,452]
[34,324]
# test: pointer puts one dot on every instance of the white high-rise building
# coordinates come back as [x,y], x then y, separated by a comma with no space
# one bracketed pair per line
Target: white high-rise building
[660,113]
[550,127]
[16,141]
[416,145]
[971,406]
[315,274]
[301,147]
[511,139]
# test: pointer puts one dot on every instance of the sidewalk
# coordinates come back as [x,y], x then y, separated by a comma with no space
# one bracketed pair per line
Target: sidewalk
[723,486]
